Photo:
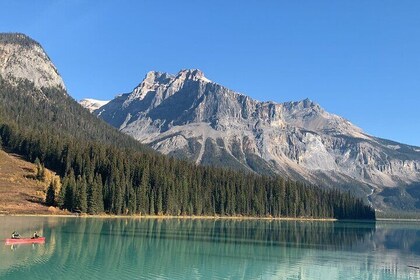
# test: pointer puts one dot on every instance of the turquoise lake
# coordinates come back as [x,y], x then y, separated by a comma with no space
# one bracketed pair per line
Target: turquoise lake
[130,248]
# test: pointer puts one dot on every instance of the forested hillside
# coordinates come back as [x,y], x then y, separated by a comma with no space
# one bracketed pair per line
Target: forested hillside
[103,170]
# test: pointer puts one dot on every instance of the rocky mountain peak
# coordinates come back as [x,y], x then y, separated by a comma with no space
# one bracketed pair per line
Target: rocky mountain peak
[23,58]
[192,74]
[307,103]
[302,105]
[157,77]
[154,82]
[158,86]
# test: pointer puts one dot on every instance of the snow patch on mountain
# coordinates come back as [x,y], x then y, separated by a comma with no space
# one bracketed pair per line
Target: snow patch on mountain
[394,147]
[92,104]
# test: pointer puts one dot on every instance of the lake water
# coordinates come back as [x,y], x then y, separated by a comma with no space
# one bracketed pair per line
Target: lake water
[124,248]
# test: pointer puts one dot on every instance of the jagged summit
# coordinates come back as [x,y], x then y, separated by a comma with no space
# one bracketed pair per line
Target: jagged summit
[303,104]
[157,76]
[195,72]
[23,58]
[161,85]
[184,74]
[308,103]
[192,74]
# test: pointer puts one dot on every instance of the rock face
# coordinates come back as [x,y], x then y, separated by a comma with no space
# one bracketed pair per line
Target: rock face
[23,58]
[92,104]
[188,116]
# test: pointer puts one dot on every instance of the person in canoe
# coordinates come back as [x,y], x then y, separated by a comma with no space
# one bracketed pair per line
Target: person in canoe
[35,235]
[15,235]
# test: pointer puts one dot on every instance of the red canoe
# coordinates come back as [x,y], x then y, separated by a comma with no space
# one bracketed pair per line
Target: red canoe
[10,241]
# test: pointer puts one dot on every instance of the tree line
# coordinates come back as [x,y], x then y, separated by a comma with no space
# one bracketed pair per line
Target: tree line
[102,170]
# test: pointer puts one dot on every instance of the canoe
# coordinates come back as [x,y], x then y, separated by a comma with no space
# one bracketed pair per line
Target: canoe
[10,241]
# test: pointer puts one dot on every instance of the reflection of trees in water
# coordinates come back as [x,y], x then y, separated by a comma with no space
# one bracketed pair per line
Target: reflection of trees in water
[164,246]
[123,248]
[149,248]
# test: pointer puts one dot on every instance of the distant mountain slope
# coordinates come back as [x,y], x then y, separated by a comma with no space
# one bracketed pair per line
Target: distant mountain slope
[189,116]
[23,58]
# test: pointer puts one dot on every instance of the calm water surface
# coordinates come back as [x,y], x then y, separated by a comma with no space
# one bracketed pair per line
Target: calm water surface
[93,248]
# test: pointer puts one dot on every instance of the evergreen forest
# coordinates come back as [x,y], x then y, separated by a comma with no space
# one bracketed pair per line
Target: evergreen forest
[103,170]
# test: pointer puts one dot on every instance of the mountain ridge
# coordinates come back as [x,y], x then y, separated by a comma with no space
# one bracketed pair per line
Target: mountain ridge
[188,116]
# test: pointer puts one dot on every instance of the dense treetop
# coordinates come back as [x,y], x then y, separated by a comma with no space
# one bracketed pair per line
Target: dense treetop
[17,38]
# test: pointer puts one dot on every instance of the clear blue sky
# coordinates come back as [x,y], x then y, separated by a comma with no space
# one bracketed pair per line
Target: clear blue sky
[358,59]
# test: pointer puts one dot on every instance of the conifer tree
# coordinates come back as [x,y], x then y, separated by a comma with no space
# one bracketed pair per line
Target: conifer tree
[80,199]
[91,203]
[142,192]
[62,193]
[70,192]
[132,201]
[50,197]
[98,195]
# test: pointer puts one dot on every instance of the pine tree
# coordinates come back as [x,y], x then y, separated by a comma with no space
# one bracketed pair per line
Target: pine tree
[98,194]
[80,200]
[95,203]
[142,192]
[132,201]
[50,197]
[62,193]
[70,192]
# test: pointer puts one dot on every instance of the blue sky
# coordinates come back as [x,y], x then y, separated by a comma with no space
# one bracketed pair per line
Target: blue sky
[358,59]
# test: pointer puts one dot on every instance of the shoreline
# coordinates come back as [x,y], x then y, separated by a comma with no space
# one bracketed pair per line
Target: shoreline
[397,220]
[186,217]
[169,217]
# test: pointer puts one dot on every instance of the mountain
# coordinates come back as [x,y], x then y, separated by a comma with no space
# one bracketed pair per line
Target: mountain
[33,92]
[23,58]
[92,104]
[188,116]
[104,170]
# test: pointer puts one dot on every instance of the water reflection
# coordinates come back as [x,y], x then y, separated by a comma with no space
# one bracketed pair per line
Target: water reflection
[210,249]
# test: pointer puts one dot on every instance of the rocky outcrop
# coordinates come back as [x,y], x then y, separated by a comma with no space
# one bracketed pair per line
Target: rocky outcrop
[188,116]
[23,58]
